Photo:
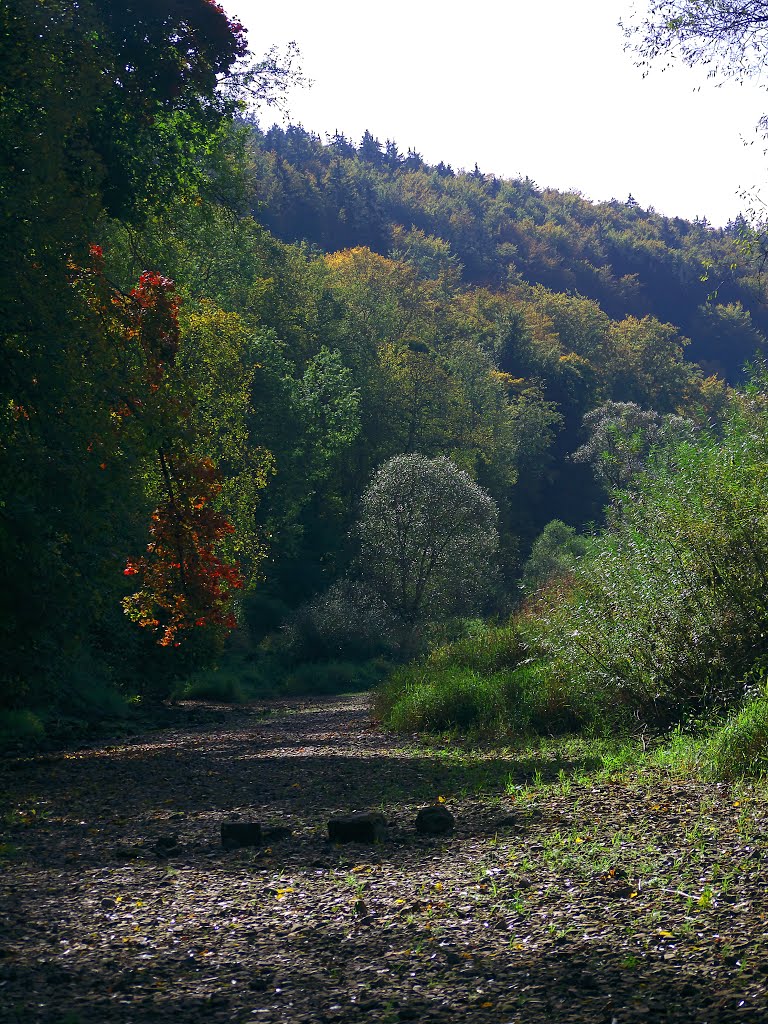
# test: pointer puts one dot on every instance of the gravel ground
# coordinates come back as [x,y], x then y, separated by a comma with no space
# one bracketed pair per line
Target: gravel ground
[574,899]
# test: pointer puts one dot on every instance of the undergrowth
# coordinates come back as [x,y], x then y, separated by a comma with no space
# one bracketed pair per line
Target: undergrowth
[661,621]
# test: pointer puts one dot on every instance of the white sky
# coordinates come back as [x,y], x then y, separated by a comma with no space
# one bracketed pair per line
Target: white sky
[542,89]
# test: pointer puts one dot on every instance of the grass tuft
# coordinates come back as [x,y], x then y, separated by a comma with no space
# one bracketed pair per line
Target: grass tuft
[739,748]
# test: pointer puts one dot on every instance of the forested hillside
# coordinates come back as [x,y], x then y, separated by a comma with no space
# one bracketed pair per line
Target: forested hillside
[496,233]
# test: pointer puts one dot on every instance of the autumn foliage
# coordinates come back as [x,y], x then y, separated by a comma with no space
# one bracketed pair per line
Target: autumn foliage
[184,584]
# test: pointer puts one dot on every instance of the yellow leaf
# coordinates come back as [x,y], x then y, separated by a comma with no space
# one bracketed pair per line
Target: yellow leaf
[485,1006]
[665,935]
[578,839]
[441,799]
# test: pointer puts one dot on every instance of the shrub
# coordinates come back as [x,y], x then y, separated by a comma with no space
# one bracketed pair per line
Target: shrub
[335,677]
[524,699]
[217,685]
[740,747]
[664,618]
[622,437]
[20,729]
[667,613]
[487,649]
[553,554]
[348,621]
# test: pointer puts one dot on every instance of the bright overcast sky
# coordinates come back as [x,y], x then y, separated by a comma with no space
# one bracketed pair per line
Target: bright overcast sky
[540,89]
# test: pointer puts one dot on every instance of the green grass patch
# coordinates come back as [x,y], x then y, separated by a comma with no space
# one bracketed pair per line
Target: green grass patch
[235,680]
[430,697]
[739,748]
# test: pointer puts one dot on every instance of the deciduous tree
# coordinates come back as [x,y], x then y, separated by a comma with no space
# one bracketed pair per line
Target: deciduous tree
[428,538]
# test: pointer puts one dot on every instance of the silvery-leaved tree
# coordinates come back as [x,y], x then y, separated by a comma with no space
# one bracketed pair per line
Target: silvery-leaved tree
[621,437]
[428,540]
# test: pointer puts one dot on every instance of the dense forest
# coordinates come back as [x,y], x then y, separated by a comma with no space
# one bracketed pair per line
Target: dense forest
[282,413]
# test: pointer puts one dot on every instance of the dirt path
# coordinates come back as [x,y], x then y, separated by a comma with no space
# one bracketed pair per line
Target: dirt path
[617,902]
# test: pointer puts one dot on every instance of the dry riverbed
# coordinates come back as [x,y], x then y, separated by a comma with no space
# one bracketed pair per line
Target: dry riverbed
[575,899]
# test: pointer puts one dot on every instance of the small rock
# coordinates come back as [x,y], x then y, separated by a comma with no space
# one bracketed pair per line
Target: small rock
[408,1013]
[274,833]
[362,827]
[508,821]
[127,852]
[235,834]
[167,846]
[435,820]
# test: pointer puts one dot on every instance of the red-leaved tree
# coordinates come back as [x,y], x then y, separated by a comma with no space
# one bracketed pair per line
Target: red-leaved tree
[184,583]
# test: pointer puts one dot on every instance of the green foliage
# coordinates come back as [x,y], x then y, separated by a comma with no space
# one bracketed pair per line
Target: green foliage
[662,619]
[666,616]
[621,437]
[524,699]
[483,647]
[234,678]
[376,425]
[327,677]
[20,729]
[427,535]
[217,685]
[494,680]
[553,555]
[740,747]
[349,620]
[631,261]
[451,698]
[104,110]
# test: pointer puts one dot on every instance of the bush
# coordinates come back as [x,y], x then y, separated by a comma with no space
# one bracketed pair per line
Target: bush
[214,685]
[666,616]
[20,729]
[348,621]
[486,649]
[740,747]
[335,677]
[553,554]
